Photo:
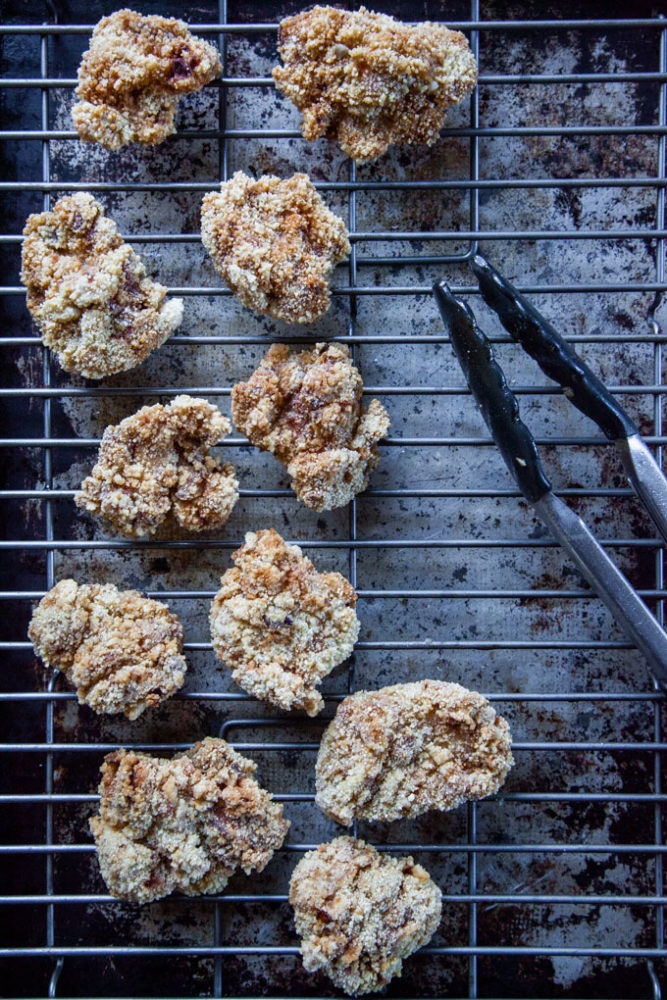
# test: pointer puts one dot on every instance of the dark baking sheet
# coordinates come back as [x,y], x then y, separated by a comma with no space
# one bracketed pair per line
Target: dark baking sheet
[511,617]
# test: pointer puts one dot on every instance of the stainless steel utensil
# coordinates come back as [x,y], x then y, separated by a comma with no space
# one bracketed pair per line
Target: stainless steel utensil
[500,410]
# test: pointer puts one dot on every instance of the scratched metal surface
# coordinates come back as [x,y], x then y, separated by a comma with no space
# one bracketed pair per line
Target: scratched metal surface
[471,547]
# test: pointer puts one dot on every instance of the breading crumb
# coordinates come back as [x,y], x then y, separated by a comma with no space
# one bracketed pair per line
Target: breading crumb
[280,625]
[409,748]
[306,409]
[360,913]
[120,650]
[275,243]
[183,824]
[155,466]
[88,291]
[369,81]
[133,74]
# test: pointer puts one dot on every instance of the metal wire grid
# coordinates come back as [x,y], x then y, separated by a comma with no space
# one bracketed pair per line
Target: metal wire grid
[45,852]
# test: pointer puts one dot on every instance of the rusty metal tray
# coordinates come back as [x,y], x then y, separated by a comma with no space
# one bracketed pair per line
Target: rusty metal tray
[556,169]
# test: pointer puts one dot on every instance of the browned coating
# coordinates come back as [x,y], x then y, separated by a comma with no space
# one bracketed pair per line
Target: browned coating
[360,913]
[88,291]
[155,467]
[405,749]
[183,824]
[120,650]
[306,409]
[133,74]
[275,243]
[279,624]
[369,81]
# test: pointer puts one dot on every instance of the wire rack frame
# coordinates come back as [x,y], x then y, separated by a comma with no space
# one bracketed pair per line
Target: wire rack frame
[45,852]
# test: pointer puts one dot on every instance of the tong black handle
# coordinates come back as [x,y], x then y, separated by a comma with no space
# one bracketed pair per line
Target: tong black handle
[553,354]
[495,398]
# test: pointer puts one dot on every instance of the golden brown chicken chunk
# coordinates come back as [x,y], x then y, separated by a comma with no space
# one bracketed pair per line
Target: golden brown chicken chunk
[360,913]
[121,651]
[275,243]
[280,625]
[409,748]
[133,74]
[369,81]
[306,409]
[88,291]
[155,467]
[184,824]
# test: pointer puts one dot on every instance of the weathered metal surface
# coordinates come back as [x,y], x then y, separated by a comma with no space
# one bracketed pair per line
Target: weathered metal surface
[459,568]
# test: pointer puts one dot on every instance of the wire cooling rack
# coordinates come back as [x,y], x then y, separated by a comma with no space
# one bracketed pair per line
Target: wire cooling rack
[556,168]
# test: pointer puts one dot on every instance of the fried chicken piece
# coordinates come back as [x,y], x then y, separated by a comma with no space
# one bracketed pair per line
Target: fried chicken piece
[409,748]
[275,243]
[305,408]
[369,81]
[120,650]
[88,291]
[280,625]
[132,76]
[360,913]
[155,467]
[183,824]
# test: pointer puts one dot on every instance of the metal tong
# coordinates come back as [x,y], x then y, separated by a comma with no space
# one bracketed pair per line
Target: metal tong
[500,410]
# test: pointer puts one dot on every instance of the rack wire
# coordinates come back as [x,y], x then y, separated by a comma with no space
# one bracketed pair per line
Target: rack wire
[597,928]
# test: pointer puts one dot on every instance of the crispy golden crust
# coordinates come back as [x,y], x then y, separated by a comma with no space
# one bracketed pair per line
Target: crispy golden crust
[183,824]
[306,409]
[132,76]
[88,291]
[120,650]
[155,467]
[405,749]
[275,243]
[360,913]
[369,81]
[280,625]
